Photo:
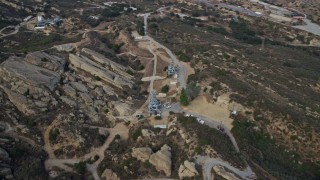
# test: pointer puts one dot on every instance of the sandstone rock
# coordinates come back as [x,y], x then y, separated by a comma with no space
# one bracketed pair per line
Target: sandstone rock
[21,89]
[98,104]
[97,70]
[5,171]
[103,131]
[187,169]
[69,90]
[20,102]
[147,133]
[79,86]
[109,175]
[47,61]
[86,98]
[65,47]
[68,101]
[16,67]
[99,91]
[141,154]
[3,154]
[45,99]
[162,160]
[40,104]
[10,176]
[123,109]
[109,90]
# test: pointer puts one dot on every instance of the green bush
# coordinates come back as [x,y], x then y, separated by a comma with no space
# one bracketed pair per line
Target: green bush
[80,167]
[53,134]
[165,89]
[184,98]
[136,134]
[140,28]
[101,138]
[97,78]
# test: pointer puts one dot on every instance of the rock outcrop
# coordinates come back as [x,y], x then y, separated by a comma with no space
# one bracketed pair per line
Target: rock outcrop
[162,160]
[50,62]
[17,68]
[142,154]
[5,170]
[109,175]
[101,71]
[187,170]
[123,109]
[103,60]
[147,133]
[20,102]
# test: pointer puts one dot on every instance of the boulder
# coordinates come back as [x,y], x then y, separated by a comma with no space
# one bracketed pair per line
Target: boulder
[5,171]
[109,175]
[65,47]
[86,98]
[162,160]
[142,154]
[123,109]
[99,91]
[20,102]
[187,169]
[147,133]
[3,154]
[40,104]
[79,87]
[69,90]
[68,101]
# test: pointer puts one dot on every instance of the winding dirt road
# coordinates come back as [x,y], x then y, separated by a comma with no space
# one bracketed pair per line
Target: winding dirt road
[120,129]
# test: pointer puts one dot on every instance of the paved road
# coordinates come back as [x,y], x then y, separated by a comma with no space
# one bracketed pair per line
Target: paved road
[213,123]
[182,74]
[208,163]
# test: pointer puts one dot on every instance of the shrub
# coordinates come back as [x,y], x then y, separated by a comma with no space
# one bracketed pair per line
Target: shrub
[184,98]
[101,138]
[80,167]
[53,134]
[97,78]
[136,134]
[165,89]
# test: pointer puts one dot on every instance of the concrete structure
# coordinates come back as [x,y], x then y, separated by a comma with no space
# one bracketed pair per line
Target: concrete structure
[172,70]
[42,23]
[154,106]
[27,18]
[160,126]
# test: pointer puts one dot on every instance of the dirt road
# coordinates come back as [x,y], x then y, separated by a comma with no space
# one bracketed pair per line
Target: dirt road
[120,129]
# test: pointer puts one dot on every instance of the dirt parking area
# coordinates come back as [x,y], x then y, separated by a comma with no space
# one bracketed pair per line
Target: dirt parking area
[218,111]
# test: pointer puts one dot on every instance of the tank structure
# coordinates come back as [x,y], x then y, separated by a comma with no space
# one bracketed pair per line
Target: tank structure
[154,106]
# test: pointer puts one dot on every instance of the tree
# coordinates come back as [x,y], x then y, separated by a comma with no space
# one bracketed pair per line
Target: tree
[184,98]
[165,89]
[193,90]
[53,134]
[80,167]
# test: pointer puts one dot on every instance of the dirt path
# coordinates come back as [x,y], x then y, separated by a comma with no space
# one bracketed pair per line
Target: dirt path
[120,129]
[47,145]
